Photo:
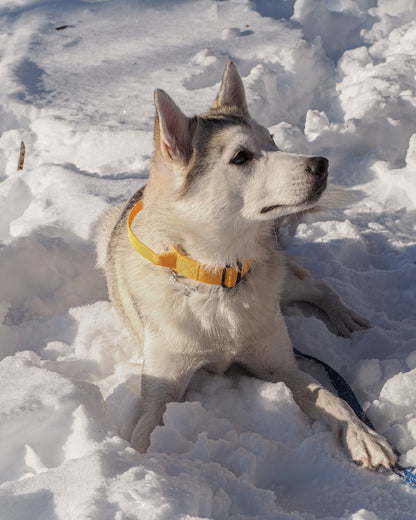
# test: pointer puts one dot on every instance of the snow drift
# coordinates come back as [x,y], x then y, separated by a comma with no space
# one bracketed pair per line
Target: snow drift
[333,78]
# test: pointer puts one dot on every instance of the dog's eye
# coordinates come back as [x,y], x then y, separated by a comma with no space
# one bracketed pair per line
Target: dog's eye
[241,157]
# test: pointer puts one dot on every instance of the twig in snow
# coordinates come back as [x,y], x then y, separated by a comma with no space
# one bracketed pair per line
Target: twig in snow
[209,51]
[21,156]
[63,27]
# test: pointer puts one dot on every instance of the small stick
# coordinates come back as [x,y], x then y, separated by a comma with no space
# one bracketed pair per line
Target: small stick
[63,27]
[209,51]
[22,156]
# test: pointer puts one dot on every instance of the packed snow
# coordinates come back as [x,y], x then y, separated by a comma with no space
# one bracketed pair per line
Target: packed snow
[328,77]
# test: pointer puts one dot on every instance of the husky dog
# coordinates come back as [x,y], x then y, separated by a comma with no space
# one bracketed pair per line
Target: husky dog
[192,265]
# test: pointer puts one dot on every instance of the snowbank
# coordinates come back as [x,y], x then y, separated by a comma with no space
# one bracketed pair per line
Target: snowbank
[328,77]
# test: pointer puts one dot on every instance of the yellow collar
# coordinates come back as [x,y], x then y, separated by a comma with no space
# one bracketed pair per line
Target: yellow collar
[226,277]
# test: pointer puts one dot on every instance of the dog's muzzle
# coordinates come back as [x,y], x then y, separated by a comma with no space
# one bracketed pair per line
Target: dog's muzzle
[318,168]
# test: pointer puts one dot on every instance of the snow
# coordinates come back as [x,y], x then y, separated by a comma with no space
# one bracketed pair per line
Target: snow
[328,77]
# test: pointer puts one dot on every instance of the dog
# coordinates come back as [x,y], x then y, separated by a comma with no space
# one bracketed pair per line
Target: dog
[192,265]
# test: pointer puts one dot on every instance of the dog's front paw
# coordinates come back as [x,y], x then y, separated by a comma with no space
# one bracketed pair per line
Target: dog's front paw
[140,438]
[367,447]
[345,321]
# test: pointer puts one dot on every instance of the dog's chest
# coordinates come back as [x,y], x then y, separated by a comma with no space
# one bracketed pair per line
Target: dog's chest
[230,318]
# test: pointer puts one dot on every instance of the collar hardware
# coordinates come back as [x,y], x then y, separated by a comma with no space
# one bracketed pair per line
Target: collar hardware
[224,274]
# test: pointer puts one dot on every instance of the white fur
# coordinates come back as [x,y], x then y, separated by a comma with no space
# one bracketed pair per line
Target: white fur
[226,212]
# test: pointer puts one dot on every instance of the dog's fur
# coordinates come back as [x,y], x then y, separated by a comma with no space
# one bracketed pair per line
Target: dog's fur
[218,191]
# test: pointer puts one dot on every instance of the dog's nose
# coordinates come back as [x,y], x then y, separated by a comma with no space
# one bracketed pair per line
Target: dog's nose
[317,166]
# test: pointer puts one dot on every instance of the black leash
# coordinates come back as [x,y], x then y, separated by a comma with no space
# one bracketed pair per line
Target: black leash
[345,392]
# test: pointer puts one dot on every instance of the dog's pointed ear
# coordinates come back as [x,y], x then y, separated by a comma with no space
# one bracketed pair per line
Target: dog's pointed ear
[231,92]
[172,130]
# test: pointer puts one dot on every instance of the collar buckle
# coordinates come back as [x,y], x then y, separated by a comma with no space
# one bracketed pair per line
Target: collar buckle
[224,274]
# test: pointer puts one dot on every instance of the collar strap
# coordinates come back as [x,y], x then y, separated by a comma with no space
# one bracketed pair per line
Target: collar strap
[226,277]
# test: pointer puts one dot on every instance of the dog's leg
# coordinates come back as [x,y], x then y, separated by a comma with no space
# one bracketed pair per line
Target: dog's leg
[363,444]
[166,375]
[301,287]
[157,392]
[278,364]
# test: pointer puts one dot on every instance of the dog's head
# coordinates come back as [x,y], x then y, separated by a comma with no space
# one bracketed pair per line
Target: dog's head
[223,165]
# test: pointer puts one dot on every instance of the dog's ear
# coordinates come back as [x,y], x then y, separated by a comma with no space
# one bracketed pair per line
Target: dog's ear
[231,92]
[172,130]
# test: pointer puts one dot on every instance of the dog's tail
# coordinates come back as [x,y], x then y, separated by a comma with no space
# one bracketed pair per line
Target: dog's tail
[337,197]
[334,197]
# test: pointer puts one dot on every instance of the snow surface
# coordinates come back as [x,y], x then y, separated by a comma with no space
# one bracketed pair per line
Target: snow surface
[334,77]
